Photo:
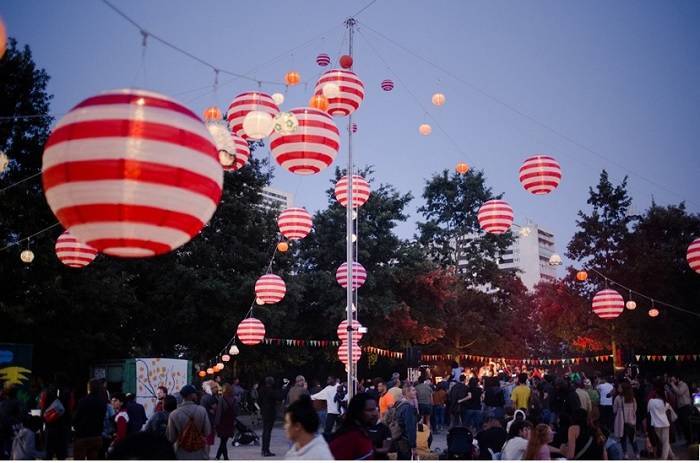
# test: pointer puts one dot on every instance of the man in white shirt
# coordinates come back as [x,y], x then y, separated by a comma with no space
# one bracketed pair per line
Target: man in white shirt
[328,394]
[605,389]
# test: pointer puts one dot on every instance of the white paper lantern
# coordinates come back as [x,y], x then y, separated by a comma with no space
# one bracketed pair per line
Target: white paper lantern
[225,358]
[555,260]
[257,125]
[438,99]
[259,301]
[234,350]
[27,256]
[631,305]
[285,123]
[278,98]
[331,90]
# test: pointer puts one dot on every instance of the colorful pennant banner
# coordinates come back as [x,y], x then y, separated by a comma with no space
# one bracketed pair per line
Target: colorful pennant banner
[667,357]
[301,342]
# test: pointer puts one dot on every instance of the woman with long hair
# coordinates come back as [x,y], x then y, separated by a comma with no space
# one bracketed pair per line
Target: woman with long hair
[625,408]
[225,419]
[352,441]
[585,442]
[658,408]
[538,443]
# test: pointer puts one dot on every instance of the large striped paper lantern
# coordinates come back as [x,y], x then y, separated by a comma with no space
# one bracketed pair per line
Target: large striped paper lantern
[312,147]
[241,153]
[608,304]
[132,173]
[270,288]
[352,91]
[244,104]
[343,353]
[359,275]
[693,255]
[342,331]
[540,174]
[360,191]
[323,59]
[495,216]
[294,223]
[72,252]
[251,331]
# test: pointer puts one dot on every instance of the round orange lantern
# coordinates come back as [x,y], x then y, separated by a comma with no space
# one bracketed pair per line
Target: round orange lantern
[282,246]
[345,61]
[210,371]
[462,168]
[202,374]
[292,78]
[425,129]
[582,276]
[654,312]
[3,38]
[319,102]
[212,113]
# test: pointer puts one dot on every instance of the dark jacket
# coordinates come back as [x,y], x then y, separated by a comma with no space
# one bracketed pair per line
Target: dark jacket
[88,419]
[268,397]
[458,391]
[137,416]
[408,418]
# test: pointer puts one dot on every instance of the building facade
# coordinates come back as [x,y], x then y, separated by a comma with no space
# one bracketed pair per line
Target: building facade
[276,199]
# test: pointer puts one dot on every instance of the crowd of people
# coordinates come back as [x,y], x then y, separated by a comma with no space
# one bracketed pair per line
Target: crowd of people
[488,413]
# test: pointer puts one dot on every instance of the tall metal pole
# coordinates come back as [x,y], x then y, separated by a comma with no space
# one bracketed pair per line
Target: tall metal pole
[350,23]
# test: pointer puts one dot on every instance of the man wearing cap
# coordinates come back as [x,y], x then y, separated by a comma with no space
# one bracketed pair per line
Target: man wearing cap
[178,421]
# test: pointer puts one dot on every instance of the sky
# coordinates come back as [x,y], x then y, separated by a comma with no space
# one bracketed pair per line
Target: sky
[595,84]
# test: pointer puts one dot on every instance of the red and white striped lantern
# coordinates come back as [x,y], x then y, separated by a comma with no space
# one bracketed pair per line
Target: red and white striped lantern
[323,59]
[245,103]
[608,304]
[72,252]
[495,216]
[354,127]
[343,353]
[693,255]
[352,91]
[360,191]
[241,153]
[387,85]
[359,275]
[270,288]
[294,223]
[540,174]
[132,173]
[343,331]
[312,147]
[251,331]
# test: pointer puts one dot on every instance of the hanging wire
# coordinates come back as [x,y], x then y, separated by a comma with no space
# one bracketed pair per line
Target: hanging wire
[27,238]
[19,182]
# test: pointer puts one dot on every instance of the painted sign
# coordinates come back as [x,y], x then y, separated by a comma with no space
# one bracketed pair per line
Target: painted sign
[154,372]
[15,365]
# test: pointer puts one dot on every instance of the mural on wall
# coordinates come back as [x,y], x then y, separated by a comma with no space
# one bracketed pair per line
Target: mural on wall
[154,372]
[15,365]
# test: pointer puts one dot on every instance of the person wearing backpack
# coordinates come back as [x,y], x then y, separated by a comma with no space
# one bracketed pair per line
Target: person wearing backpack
[402,420]
[188,427]
[158,422]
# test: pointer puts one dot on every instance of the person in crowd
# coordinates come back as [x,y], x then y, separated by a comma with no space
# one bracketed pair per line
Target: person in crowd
[301,426]
[24,443]
[494,401]
[381,440]
[144,446]
[394,386]
[518,415]
[332,411]
[296,391]
[386,400]
[238,391]
[456,395]
[534,410]
[424,394]
[606,392]
[210,400]
[457,371]
[121,419]
[491,438]
[158,422]
[583,398]
[546,387]
[521,393]
[613,449]
[88,423]
[538,443]
[136,412]
[471,406]
[683,405]
[225,419]
[625,410]
[161,393]
[595,399]
[268,398]
[58,431]
[439,405]
[10,419]
[407,416]
[319,405]
[188,426]
[658,408]
[585,442]
[352,440]
[518,437]
[370,388]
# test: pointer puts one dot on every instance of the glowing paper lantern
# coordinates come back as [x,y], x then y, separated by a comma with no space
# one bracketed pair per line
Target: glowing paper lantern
[359,275]
[72,252]
[540,174]
[292,78]
[202,374]
[608,304]
[3,38]
[360,191]
[26,256]
[342,331]
[278,98]
[270,288]
[225,358]
[294,223]
[4,162]
[343,353]
[251,331]
[354,127]
[285,123]
[495,216]
[654,312]
[693,255]
[630,305]
[212,113]
[241,153]
[234,350]
[312,147]
[352,91]
[462,168]
[282,247]
[257,125]
[245,103]
[220,366]
[233,150]
[425,129]
[345,61]
[438,99]
[210,371]
[330,90]
[132,173]
[319,102]
[582,276]
[387,85]
[555,260]
[323,59]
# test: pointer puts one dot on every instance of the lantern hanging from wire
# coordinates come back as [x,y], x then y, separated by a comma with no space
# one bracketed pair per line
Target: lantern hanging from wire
[323,59]
[342,331]
[387,85]
[354,127]
[210,371]
[352,91]
[330,90]
[278,98]
[282,246]
[250,331]
[26,256]
[246,102]
[212,113]
[285,123]
[343,352]
[132,173]
[360,191]
[438,99]
[359,275]
[202,373]
[345,61]
[71,252]
[425,129]
[270,288]
[225,358]
[258,125]
[654,312]
[540,174]
[319,102]
[233,350]
[608,304]
[295,223]
[630,304]
[582,275]
[495,216]
[693,255]
[292,78]
[555,260]
[462,168]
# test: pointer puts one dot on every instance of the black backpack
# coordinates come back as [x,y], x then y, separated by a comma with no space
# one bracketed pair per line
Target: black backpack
[460,444]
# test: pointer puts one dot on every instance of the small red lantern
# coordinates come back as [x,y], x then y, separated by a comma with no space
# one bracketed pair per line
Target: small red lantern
[582,276]
[345,61]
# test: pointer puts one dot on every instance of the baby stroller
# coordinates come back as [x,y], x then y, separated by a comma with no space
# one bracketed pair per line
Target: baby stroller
[244,435]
